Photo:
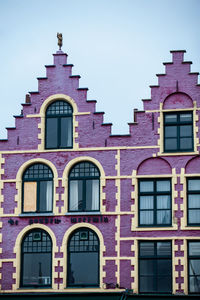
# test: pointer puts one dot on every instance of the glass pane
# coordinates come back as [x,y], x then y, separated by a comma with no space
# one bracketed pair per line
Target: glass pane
[146,249]
[194,267]
[146,202]
[66,132]
[164,284]
[194,284]
[46,195]
[83,269]
[92,195]
[194,184]
[186,117]
[170,131]
[164,248]
[146,186]
[186,143]
[163,217]
[163,202]
[186,130]
[147,284]
[170,118]
[194,216]
[76,195]
[164,267]
[147,267]
[37,269]
[146,218]
[51,133]
[163,186]
[194,201]
[171,144]
[194,248]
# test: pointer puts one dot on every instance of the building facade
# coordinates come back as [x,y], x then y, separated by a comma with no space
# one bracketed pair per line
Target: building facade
[85,211]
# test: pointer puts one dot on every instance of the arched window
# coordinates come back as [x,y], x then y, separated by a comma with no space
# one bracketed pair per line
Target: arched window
[83,259]
[59,125]
[84,181]
[36,259]
[37,189]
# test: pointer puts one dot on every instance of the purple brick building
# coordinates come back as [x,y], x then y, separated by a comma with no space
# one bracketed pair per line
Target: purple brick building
[87,213]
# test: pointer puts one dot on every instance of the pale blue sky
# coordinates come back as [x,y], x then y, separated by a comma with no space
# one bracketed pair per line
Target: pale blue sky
[117,46]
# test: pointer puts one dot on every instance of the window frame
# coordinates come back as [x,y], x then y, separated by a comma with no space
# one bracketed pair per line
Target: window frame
[196,192]
[22,261]
[69,260]
[37,180]
[84,179]
[155,258]
[154,194]
[193,257]
[58,117]
[178,124]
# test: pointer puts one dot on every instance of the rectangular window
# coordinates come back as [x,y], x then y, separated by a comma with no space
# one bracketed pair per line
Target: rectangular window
[155,202]
[194,266]
[193,198]
[178,132]
[155,267]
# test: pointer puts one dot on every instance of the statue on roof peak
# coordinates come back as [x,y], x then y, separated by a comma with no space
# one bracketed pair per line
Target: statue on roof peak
[60,40]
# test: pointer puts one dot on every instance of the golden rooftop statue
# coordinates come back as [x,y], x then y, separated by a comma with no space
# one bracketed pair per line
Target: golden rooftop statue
[60,39]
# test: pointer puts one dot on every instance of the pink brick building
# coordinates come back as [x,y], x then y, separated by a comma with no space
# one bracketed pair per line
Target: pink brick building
[85,213]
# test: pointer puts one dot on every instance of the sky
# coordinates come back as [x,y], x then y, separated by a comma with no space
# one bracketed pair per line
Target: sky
[116,46]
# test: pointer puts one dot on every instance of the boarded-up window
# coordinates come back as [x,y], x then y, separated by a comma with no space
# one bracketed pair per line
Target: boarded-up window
[30,196]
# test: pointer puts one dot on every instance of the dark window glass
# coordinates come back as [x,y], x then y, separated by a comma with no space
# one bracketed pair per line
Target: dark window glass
[37,189]
[194,266]
[59,125]
[155,267]
[36,253]
[83,259]
[178,132]
[154,202]
[193,198]
[84,181]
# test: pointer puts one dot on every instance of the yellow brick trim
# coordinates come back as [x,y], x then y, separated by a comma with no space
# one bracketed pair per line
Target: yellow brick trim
[63,249]
[18,196]
[41,125]
[117,248]
[66,174]
[17,251]
[134,264]
[2,161]
[134,196]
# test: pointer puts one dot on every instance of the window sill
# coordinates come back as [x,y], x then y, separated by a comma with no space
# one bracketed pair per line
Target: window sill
[36,214]
[83,213]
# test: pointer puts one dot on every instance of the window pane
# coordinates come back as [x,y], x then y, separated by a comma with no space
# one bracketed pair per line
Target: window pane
[146,249]
[194,248]
[163,185]
[186,130]
[194,216]
[163,202]
[170,131]
[171,144]
[163,217]
[164,249]
[146,186]
[83,269]
[37,269]
[51,133]
[164,267]
[146,218]
[45,201]
[147,267]
[194,284]
[30,196]
[185,143]
[194,184]
[170,118]
[194,201]
[186,117]
[92,195]
[76,195]
[164,284]
[147,284]
[66,132]
[194,267]
[146,202]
